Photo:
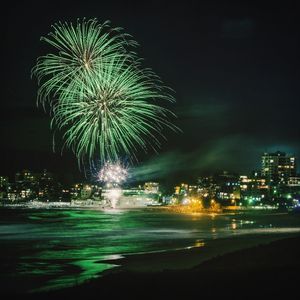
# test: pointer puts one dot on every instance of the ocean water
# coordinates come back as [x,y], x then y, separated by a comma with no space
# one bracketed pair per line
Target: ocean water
[44,249]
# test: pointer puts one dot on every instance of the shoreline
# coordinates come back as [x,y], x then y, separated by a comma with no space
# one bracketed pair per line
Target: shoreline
[96,204]
[159,208]
[189,257]
[270,265]
[181,261]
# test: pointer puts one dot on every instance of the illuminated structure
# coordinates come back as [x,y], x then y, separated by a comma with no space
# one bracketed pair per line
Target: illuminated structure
[278,167]
[207,188]
[3,181]
[227,188]
[193,190]
[25,176]
[46,185]
[151,187]
[254,189]
[294,182]
[75,190]
[113,175]
[84,194]
[183,189]
[3,186]
[180,194]
[33,186]
[26,186]
[86,191]
[130,197]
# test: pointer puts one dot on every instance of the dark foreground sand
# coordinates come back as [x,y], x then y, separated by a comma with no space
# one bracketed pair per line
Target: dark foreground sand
[268,266]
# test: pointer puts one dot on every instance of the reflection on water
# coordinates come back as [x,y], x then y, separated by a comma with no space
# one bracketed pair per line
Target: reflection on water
[199,243]
[90,268]
[48,249]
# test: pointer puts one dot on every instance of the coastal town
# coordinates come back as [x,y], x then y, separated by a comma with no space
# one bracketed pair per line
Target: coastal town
[275,185]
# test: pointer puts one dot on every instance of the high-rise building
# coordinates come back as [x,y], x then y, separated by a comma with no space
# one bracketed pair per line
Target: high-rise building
[278,167]
[253,189]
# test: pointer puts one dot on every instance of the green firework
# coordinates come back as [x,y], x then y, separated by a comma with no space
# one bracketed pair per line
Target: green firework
[79,51]
[115,112]
[101,98]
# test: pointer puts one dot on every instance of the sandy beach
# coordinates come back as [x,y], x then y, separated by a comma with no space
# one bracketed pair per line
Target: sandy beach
[265,265]
[188,258]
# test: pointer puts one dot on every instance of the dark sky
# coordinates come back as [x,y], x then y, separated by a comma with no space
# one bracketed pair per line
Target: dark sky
[234,67]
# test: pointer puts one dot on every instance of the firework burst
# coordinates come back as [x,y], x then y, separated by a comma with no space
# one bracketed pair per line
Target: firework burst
[112,174]
[101,98]
[79,51]
[114,113]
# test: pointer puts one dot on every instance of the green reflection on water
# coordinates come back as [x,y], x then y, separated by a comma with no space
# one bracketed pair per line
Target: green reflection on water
[79,240]
[90,269]
[50,249]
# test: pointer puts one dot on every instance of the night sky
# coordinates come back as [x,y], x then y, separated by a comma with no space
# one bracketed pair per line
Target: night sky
[234,68]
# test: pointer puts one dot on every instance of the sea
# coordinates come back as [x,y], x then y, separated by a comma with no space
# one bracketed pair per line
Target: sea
[45,249]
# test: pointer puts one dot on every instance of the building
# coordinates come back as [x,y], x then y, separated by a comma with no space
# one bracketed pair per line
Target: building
[227,188]
[151,187]
[3,181]
[254,189]
[180,193]
[26,177]
[129,197]
[278,167]
[26,186]
[46,183]
[75,190]
[3,187]
[207,188]
[86,191]
[294,181]
[292,189]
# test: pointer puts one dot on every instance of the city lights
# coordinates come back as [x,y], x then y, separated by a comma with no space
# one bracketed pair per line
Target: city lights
[150,149]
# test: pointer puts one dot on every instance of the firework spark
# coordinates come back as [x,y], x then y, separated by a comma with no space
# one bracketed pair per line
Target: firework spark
[79,51]
[114,113]
[102,99]
[112,174]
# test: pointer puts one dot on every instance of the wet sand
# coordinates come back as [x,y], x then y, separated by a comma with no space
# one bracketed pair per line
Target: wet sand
[239,267]
[190,257]
[249,258]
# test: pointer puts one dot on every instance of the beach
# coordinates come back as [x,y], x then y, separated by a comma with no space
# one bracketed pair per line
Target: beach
[185,259]
[271,268]
[69,252]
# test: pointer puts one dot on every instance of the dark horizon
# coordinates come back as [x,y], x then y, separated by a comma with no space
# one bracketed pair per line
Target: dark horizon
[234,69]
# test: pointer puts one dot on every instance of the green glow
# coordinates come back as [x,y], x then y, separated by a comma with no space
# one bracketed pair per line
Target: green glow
[79,51]
[100,96]
[91,269]
[50,249]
